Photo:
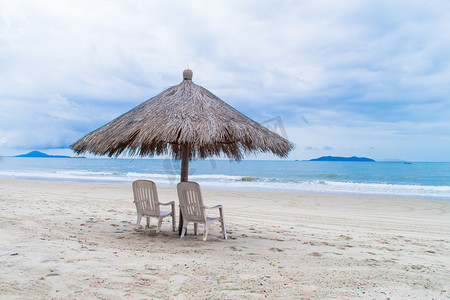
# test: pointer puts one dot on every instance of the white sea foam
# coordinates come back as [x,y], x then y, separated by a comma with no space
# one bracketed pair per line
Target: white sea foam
[321,186]
[239,182]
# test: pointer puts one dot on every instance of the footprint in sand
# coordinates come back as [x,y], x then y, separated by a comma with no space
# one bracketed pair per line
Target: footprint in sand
[372,262]
[345,237]
[234,248]
[275,249]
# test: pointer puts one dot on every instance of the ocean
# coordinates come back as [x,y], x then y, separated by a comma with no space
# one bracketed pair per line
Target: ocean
[416,179]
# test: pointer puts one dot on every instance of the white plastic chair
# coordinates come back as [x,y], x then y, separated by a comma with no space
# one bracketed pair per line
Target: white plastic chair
[148,205]
[193,209]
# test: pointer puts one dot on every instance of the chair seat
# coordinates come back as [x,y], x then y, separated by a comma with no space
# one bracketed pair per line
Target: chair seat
[164,213]
[212,219]
[149,213]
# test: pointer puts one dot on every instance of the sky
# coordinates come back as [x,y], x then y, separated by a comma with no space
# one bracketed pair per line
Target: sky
[341,78]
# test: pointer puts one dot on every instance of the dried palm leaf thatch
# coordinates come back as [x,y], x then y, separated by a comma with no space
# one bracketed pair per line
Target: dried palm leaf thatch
[185,114]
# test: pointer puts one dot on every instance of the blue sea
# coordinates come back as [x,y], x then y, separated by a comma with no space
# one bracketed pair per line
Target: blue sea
[416,179]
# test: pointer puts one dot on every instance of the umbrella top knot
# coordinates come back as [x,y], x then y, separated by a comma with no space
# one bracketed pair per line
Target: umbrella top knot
[187,74]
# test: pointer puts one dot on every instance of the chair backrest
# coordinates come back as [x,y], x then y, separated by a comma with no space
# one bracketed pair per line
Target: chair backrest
[191,202]
[146,197]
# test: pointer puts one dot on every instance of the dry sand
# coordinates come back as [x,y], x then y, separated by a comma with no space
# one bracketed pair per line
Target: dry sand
[65,240]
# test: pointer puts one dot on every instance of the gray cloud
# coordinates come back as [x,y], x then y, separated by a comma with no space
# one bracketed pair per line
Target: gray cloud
[68,67]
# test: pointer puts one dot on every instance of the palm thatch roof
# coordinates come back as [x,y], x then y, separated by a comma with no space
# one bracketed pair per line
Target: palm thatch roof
[183,114]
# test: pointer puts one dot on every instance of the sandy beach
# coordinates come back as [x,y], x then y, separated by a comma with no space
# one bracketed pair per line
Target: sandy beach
[66,240]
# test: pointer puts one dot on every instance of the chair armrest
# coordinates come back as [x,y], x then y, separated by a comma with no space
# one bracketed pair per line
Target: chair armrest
[168,203]
[211,207]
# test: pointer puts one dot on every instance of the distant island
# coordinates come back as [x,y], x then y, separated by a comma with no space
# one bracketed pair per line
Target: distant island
[42,154]
[338,158]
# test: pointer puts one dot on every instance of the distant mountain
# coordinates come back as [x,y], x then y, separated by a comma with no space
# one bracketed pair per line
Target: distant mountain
[338,158]
[41,154]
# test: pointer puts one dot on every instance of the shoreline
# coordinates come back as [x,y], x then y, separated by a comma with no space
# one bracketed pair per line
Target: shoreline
[223,187]
[77,240]
[430,181]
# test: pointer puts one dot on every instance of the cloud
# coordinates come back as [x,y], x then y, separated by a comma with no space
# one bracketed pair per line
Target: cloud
[324,148]
[309,148]
[377,67]
[50,122]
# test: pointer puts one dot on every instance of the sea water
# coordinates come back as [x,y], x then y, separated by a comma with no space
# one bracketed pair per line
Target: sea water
[416,179]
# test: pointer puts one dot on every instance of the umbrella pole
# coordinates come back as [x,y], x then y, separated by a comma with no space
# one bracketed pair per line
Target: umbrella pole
[184,176]
[184,162]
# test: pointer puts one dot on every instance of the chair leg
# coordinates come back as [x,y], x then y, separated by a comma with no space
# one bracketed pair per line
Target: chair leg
[195,228]
[205,232]
[173,222]
[183,230]
[159,225]
[222,221]
[138,221]
[148,222]
[224,231]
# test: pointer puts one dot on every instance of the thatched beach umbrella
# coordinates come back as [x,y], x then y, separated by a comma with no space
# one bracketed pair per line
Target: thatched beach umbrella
[186,121]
